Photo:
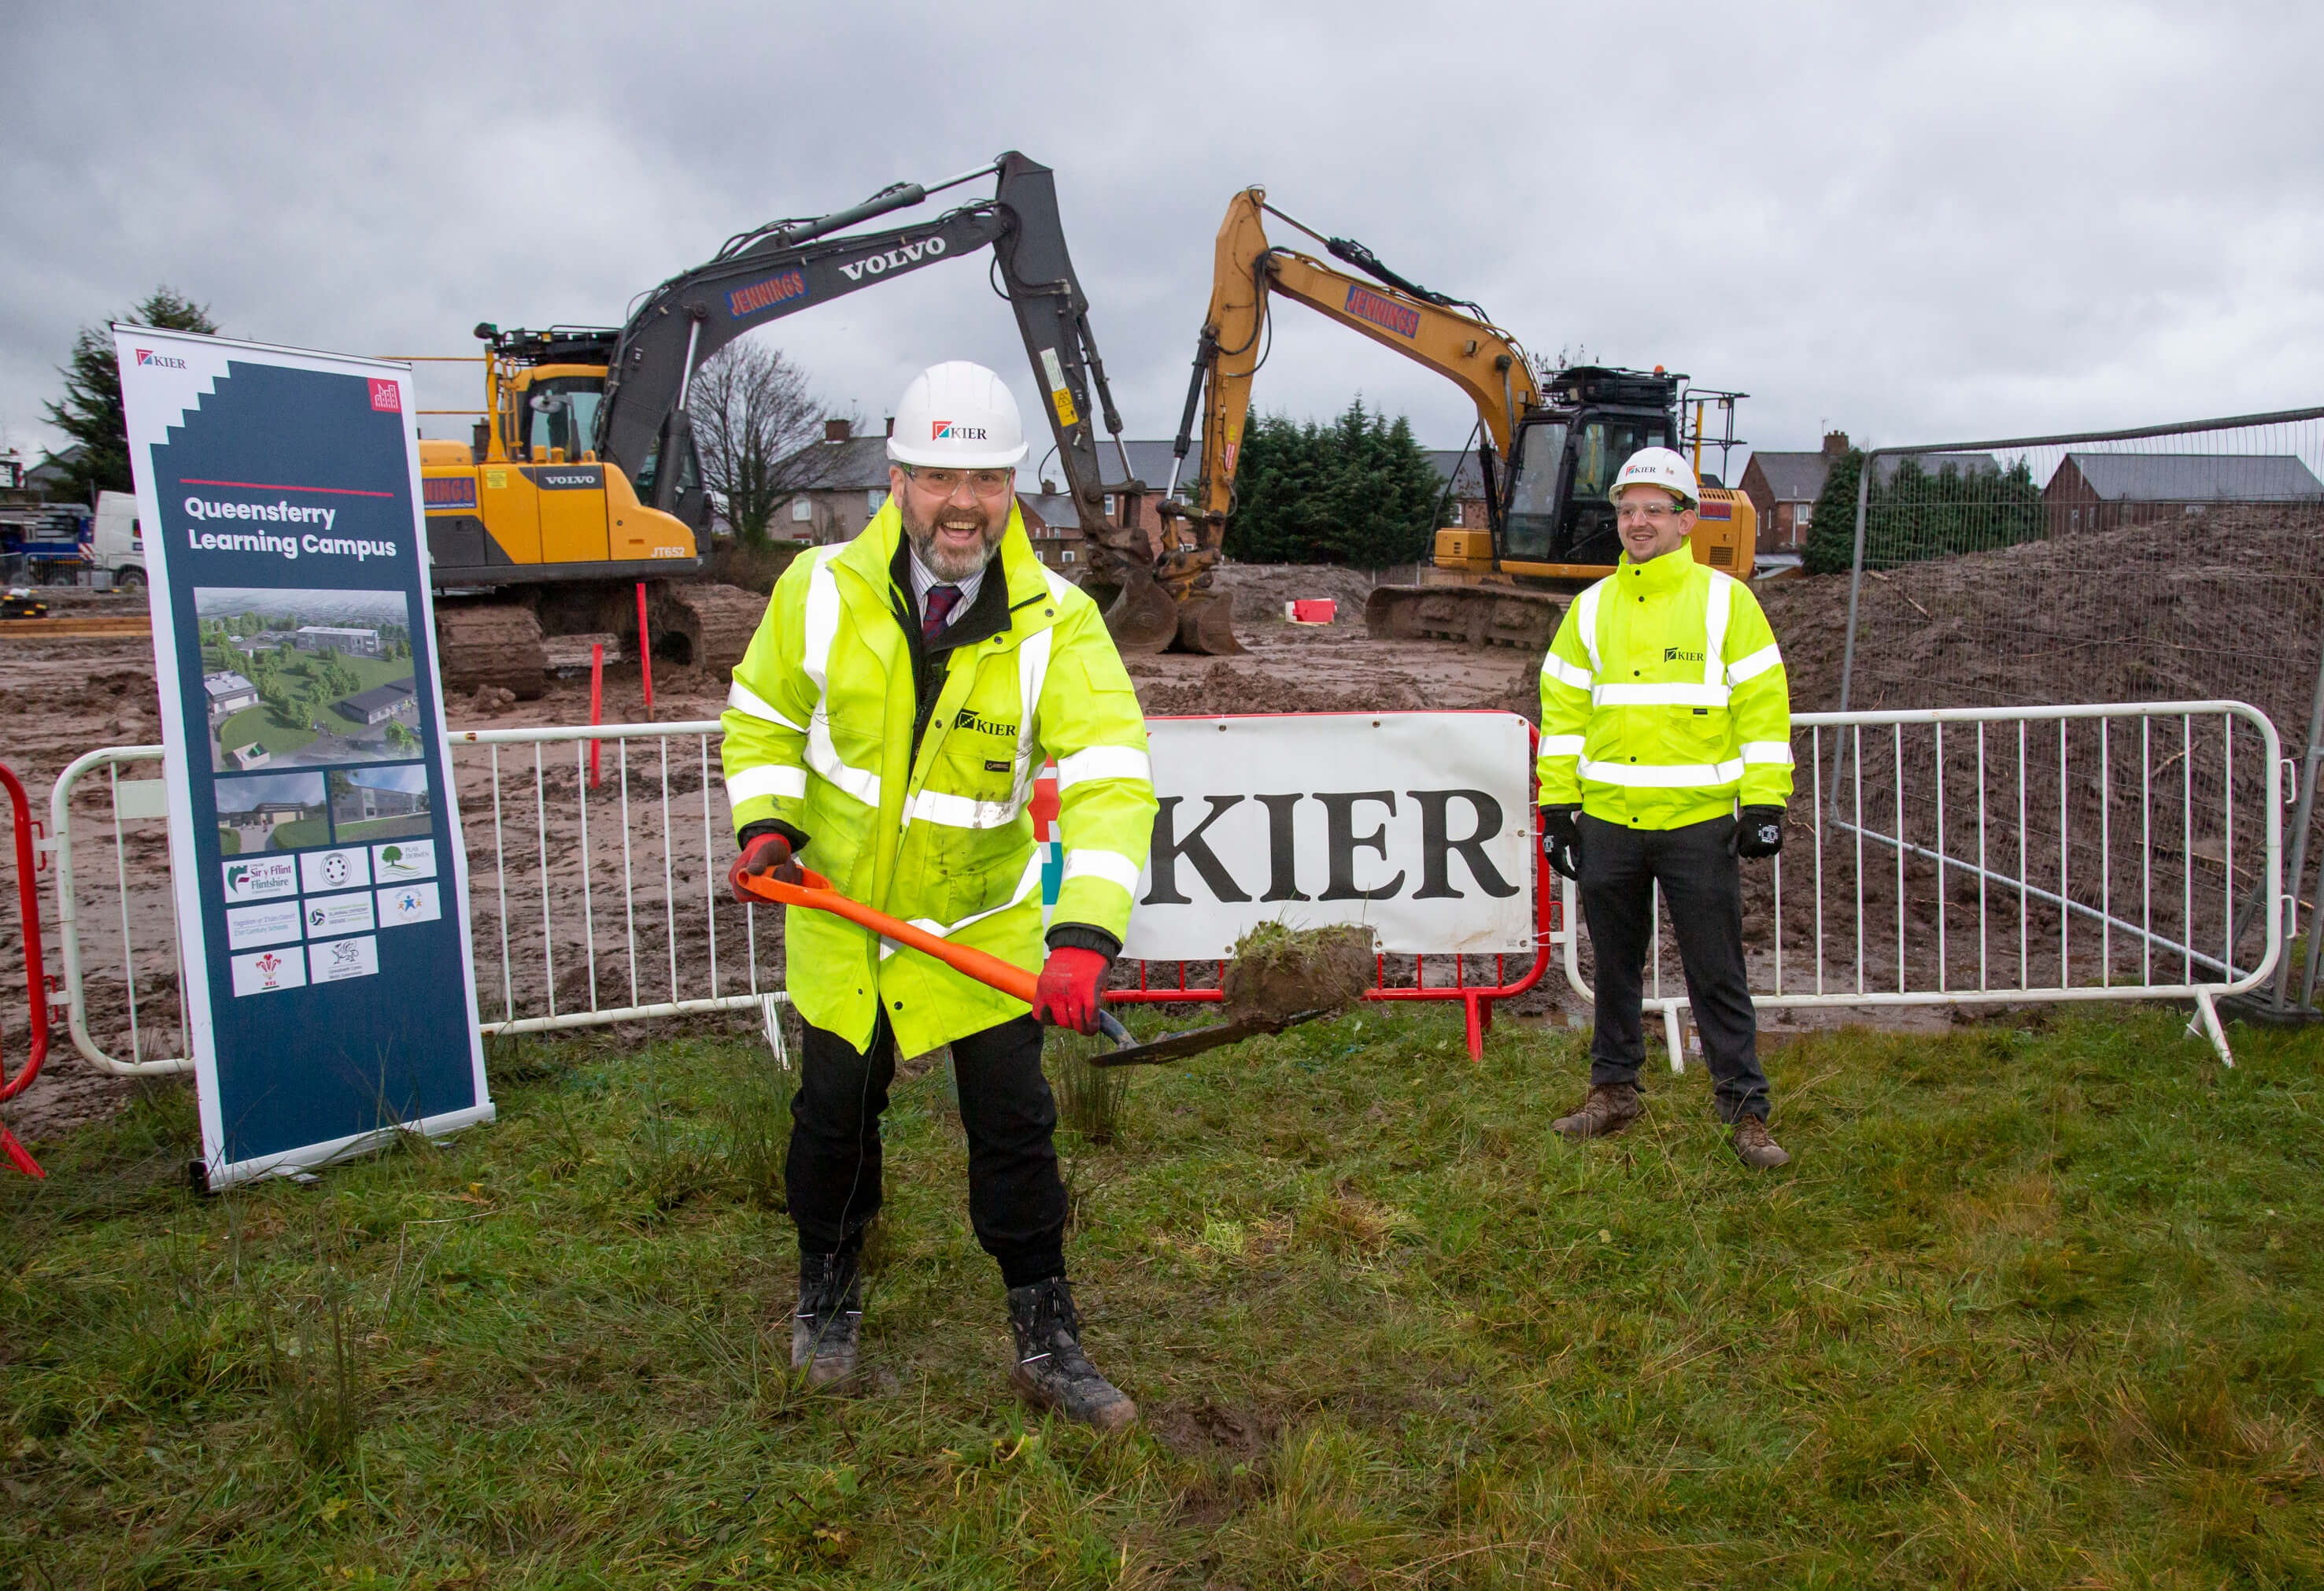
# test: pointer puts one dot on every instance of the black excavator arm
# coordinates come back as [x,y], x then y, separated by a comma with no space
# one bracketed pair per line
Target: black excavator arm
[779,269]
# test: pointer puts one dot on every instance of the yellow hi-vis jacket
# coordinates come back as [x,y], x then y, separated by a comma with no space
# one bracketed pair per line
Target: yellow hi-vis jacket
[1664,701]
[819,730]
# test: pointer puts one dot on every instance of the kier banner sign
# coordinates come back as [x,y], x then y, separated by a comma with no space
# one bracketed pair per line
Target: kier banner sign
[1417,824]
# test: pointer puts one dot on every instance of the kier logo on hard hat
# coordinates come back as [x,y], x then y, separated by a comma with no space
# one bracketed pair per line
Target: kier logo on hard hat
[159,361]
[940,429]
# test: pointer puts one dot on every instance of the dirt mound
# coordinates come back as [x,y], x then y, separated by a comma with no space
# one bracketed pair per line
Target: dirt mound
[1223,689]
[2230,604]
[1261,589]
[1278,972]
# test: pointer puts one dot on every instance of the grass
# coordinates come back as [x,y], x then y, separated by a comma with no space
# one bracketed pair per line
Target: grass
[2030,1306]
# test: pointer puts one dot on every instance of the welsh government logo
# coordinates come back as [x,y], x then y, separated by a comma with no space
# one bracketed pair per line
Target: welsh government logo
[159,361]
[938,429]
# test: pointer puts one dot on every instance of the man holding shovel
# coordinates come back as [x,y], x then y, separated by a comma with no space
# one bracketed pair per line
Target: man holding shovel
[1664,708]
[889,719]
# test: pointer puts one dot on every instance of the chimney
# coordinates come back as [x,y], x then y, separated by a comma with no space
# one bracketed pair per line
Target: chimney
[892,425]
[836,430]
[1835,444]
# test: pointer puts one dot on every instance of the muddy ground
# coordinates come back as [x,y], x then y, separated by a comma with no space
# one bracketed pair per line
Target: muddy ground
[1955,621]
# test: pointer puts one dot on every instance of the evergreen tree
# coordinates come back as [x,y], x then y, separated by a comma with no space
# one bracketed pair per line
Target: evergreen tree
[1916,514]
[90,411]
[1360,492]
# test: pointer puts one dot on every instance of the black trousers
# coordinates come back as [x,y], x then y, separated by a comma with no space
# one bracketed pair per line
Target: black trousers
[1702,894]
[1016,1200]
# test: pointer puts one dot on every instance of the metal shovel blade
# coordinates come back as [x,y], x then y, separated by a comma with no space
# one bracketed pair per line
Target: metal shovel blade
[1193,1041]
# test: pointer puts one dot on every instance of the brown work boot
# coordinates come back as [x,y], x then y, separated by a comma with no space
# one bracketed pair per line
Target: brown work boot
[826,1325]
[1754,1148]
[1610,1107]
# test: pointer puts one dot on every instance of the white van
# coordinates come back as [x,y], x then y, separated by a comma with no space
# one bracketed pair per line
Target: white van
[118,553]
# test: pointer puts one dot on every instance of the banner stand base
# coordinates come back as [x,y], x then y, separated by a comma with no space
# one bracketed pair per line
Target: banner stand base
[296,1165]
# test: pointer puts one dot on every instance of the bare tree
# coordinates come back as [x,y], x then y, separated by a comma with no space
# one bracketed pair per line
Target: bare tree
[756,423]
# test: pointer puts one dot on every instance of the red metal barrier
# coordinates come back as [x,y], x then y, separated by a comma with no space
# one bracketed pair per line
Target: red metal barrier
[1476,999]
[28,905]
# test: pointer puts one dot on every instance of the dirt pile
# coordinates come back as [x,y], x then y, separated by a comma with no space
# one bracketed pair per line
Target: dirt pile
[1261,589]
[1277,972]
[2229,604]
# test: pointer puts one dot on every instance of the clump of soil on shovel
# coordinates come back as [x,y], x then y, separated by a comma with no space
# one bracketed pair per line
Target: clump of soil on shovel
[1278,972]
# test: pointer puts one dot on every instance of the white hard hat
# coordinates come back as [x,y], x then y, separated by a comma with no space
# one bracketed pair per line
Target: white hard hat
[958,416]
[1659,466]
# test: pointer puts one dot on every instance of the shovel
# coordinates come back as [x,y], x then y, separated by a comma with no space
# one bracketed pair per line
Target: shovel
[814,891]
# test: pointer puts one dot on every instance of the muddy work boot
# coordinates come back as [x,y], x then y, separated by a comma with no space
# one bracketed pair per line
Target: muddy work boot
[1051,1371]
[830,1310]
[1754,1148]
[1610,1107]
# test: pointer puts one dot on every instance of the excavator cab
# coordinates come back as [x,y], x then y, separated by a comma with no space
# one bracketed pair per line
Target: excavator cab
[561,417]
[1555,508]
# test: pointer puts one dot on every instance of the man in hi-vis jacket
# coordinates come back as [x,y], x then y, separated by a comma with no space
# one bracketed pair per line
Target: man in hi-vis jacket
[888,722]
[1664,709]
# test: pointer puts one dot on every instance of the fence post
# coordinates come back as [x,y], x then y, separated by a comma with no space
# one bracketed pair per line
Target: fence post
[36,983]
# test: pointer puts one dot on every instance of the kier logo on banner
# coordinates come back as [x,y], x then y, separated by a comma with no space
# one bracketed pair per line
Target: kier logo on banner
[146,356]
[386,397]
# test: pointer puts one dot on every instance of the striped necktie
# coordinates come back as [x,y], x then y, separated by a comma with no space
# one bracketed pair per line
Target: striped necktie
[941,601]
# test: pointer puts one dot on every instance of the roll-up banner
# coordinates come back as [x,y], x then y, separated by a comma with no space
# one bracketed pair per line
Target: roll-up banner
[1419,825]
[322,891]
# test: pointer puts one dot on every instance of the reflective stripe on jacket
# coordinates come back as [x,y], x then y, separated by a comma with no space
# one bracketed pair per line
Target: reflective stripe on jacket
[1664,701]
[819,734]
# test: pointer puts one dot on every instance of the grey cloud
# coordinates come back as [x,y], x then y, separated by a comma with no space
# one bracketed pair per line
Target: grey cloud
[1906,220]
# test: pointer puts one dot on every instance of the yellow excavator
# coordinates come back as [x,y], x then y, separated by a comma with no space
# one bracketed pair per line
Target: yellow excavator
[560,505]
[1547,450]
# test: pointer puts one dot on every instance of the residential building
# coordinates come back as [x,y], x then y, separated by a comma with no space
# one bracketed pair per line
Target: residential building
[1465,507]
[1784,488]
[1053,528]
[229,693]
[2102,491]
[339,638]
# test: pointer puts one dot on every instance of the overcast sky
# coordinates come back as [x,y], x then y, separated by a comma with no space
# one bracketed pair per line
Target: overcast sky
[1910,222]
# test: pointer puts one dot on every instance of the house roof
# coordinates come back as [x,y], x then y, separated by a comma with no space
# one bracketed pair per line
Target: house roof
[2197,478]
[1793,477]
[1054,511]
[380,695]
[859,463]
[225,684]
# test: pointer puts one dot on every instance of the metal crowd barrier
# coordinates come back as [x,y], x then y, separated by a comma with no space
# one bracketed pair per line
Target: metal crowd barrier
[1969,857]
[1983,856]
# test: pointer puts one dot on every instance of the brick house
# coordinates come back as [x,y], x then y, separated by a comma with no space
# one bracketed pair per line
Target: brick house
[1784,488]
[2101,491]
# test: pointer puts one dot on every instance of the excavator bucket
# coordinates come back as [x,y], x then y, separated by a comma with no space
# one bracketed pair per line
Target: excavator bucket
[1206,625]
[1142,617]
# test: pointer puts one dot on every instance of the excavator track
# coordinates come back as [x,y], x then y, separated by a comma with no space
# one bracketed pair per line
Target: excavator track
[1479,615]
[708,626]
[494,644]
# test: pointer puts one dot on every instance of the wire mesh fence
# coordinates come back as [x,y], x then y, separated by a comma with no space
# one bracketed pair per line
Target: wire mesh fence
[2171,562]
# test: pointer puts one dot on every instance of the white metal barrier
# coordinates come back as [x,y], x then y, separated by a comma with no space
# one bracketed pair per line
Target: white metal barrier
[1965,857]
[1969,856]
[580,914]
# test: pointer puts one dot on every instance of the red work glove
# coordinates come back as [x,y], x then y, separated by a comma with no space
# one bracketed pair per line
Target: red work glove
[769,855]
[1067,993]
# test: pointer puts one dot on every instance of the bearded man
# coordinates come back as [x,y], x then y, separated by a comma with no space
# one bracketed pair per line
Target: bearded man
[901,694]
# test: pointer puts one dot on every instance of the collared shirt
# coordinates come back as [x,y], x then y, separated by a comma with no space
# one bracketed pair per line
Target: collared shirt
[924,579]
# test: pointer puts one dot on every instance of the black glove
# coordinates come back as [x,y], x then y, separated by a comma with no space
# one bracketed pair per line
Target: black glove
[1560,840]
[1759,832]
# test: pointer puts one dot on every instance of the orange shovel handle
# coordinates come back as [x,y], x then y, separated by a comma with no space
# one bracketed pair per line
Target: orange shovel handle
[969,962]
